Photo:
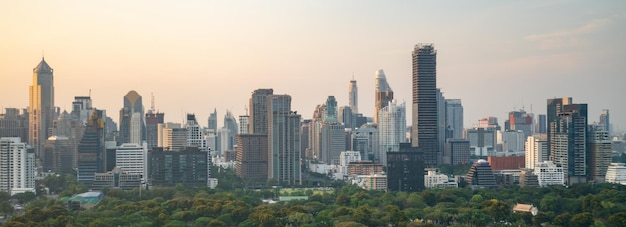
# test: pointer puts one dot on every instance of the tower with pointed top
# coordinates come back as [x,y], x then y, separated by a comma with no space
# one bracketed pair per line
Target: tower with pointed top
[384,93]
[41,106]
[353,96]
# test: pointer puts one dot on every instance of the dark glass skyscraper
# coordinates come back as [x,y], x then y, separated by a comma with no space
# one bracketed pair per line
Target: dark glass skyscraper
[91,157]
[132,126]
[424,129]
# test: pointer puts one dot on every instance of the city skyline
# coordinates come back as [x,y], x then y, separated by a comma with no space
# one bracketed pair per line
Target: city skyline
[490,55]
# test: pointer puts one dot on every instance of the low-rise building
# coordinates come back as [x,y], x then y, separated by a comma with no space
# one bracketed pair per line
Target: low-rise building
[116,179]
[549,173]
[616,173]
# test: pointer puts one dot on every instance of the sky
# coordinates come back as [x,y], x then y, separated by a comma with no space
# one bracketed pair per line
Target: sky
[197,56]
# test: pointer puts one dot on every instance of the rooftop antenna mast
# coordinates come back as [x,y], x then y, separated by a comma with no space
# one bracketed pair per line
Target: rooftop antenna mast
[152,101]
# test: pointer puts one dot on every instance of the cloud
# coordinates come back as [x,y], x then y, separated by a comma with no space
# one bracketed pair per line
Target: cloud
[573,37]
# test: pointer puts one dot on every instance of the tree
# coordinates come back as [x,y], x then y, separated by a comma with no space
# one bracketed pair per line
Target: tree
[618,219]
[584,219]
[497,209]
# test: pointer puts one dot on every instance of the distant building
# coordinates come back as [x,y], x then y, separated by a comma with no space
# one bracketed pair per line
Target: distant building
[384,93]
[41,107]
[536,150]
[482,141]
[549,174]
[454,118]
[391,130]
[541,124]
[153,119]
[353,97]
[599,157]
[520,121]
[244,124]
[605,122]
[14,123]
[116,179]
[425,125]
[512,141]
[481,175]
[567,138]
[365,140]
[71,127]
[91,150]
[405,169]
[372,182]
[364,167]
[457,152]
[251,158]
[506,162]
[187,167]
[17,166]
[132,123]
[434,179]
[616,173]
[58,155]
[528,178]
[172,136]
[133,159]
[283,134]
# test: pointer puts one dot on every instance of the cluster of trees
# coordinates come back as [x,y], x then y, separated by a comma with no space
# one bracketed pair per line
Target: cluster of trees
[579,205]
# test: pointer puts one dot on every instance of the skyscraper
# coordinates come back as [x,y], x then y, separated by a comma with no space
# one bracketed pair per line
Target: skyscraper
[536,150]
[41,106]
[599,153]
[258,111]
[17,166]
[91,157]
[230,123]
[384,93]
[520,120]
[14,124]
[132,127]
[441,125]
[454,118]
[153,119]
[353,96]
[283,140]
[604,121]
[424,130]
[213,121]
[567,138]
[392,130]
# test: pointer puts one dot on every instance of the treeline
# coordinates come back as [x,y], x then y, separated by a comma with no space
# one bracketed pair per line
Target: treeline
[579,205]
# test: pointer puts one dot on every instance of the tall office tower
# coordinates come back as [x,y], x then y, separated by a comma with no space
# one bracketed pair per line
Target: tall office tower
[332,142]
[454,118]
[41,106]
[222,139]
[132,158]
[132,127]
[536,150]
[554,108]
[424,130]
[330,111]
[457,152]
[283,140]
[405,169]
[213,120]
[110,129]
[315,133]
[391,130]
[353,96]
[567,138]
[244,125]
[14,124]
[365,140]
[153,119]
[17,166]
[251,157]
[604,121]
[520,120]
[304,138]
[231,124]
[72,128]
[599,153]
[195,136]
[384,93]
[441,124]
[259,111]
[540,127]
[187,167]
[346,117]
[482,141]
[58,155]
[91,158]
[172,137]
[82,108]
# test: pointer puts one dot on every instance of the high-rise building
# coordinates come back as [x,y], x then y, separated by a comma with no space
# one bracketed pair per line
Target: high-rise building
[283,141]
[599,153]
[231,124]
[457,152]
[59,155]
[482,141]
[536,150]
[521,121]
[384,93]
[17,166]
[441,124]
[454,118]
[153,119]
[346,117]
[133,159]
[213,120]
[353,96]
[172,137]
[244,125]
[541,125]
[425,117]
[304,138]
[14,124]
[91,150]
[489,122]
[41,106]
[512,141]
[187,167]
[82,108]
[365,140]
[405,169]
[567,138]
[391,130]
[315,134]
[195,136]
[332,142]
[251,157]
[605,121]
[259,111]
[132,126]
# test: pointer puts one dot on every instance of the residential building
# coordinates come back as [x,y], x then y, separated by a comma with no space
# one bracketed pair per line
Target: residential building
[133,159]
[457,152]
[283,140]
[567,138]
[17,166]
[425,112]
[244,125]
[392,128]
[549,174]
[14,123]
[616,173]
[599,157]
[536,150]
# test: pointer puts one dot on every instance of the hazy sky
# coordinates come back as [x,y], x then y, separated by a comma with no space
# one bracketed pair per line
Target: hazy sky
[195,56]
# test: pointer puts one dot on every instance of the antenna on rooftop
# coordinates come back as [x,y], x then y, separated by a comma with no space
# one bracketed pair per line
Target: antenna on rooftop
[152,101]
[89,93]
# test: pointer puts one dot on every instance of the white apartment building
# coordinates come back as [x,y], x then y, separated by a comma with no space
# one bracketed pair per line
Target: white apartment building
[132,158]
[536,150]
[391,130]
[549,174]
[17,166]
[434,179]
[616,173]
[372,182]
